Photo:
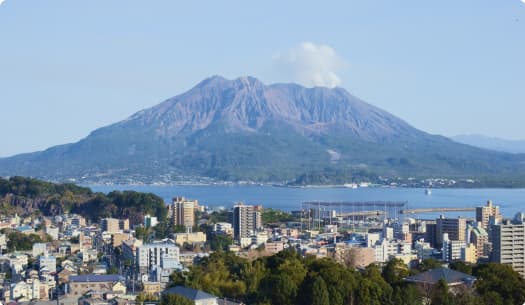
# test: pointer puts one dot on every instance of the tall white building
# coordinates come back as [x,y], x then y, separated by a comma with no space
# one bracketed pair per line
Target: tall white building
[509,244]
[452,249]
[156,254]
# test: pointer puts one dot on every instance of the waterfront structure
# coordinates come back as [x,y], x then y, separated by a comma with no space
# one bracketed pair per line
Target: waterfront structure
[181,211]
[508,240]
[246,220]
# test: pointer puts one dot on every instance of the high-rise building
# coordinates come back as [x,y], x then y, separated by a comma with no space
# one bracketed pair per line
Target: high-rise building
[182,211]
[508,241]
[488,215]
[480,238]
[456,229]
[246,219]
[431,233]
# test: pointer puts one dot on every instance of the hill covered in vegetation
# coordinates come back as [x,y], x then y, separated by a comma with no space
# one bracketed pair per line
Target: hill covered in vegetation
[27,196]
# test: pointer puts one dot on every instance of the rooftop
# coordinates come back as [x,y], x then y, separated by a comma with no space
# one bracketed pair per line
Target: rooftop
[96,278]
[189,293]
[433,276]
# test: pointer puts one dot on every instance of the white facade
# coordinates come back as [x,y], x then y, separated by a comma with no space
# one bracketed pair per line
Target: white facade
[452,249]
[153,255]
[39,249]
[389,248]
[48,262]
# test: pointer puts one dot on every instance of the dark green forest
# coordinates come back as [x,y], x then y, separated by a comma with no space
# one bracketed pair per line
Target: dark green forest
[288,279]
[27,196]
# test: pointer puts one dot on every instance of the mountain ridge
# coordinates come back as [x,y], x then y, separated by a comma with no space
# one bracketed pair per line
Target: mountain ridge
[492,143]
[242,129]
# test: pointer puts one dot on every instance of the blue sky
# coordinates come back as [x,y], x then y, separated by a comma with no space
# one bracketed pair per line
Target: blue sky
[446,67]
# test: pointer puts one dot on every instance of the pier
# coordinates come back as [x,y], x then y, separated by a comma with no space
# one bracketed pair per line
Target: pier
[435,210]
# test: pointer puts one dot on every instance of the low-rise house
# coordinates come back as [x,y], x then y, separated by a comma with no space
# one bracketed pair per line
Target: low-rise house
[48,263]
[189,238]
[151,288]
[39,249]
[80,284]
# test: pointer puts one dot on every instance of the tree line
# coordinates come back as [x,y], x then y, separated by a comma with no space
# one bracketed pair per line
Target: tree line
[287,278]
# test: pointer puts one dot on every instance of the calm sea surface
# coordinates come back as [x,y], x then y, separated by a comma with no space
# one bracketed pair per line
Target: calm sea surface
[511,201]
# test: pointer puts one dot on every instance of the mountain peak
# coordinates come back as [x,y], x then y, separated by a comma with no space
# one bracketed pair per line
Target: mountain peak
[247,104]
[244,129]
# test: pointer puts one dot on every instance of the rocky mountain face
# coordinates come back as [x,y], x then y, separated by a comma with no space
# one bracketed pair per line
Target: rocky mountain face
[243,129]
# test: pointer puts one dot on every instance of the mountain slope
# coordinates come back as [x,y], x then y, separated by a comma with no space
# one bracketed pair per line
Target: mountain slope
[497,144]
[244,130]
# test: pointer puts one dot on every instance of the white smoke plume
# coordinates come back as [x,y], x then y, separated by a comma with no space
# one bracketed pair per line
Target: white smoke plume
[312,64]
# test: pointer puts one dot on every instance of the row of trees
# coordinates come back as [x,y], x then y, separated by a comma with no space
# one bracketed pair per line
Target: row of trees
[287,278]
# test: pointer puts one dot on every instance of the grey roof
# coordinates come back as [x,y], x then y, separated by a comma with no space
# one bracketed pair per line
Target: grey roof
[189,293]
[96,278]
[433,276]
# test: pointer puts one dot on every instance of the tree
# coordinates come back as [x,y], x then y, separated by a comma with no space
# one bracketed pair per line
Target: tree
[461,267]
[440,294]
[395,271]
[320,292]
[499,282]
[428,264]
[174,299]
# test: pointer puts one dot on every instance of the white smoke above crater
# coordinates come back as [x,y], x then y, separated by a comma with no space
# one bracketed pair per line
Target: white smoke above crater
[312,64]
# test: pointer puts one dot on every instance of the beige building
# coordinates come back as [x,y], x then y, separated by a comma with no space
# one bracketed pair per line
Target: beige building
[274,247]
[118,238]
[110,225]
[80,284]
[358,257]
[151,288]
[189,238]
[480,238]
[182,211]
[469,254]
[484,214]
